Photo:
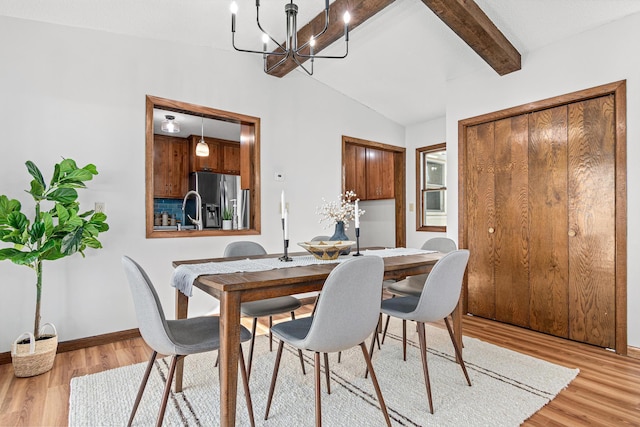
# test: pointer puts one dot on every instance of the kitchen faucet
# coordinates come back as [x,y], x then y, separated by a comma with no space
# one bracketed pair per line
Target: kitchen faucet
[198,221]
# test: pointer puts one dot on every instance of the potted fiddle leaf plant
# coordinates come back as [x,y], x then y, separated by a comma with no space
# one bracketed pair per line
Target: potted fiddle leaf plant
[56,230]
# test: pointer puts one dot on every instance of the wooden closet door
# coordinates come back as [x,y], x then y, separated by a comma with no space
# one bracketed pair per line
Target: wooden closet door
[480,217]
[591,194]
[549,256]
[511,235]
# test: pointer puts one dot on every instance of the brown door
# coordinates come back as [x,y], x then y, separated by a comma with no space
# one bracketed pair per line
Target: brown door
[592,233]
[540,220]
[511,227]
[549,257]
[480,220]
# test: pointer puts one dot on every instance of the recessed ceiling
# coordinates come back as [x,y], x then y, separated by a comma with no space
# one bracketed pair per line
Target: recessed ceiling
[399,61]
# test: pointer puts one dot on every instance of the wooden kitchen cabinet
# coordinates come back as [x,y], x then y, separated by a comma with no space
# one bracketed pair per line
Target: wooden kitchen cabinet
[224,156]
[380,175]
[231,158]
[170,167]
[369,172]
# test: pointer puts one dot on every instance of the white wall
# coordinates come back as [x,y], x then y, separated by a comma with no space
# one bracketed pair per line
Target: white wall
[422,135]
[81,94]
[600,56]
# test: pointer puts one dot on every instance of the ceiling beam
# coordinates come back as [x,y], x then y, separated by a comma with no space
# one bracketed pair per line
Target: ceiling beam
[473,26]
[360,11]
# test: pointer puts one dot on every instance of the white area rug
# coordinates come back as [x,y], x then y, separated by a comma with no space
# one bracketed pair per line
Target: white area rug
[507,388]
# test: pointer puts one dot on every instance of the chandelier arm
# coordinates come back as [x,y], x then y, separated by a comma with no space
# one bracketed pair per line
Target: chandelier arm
[265,32]
[301,65]
[277,64]
[324,56]
[324,30]
[233,43]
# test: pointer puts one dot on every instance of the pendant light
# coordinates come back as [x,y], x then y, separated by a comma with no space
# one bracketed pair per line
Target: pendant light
[202,148]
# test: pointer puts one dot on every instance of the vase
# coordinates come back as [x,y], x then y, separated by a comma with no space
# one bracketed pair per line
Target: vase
[339,234]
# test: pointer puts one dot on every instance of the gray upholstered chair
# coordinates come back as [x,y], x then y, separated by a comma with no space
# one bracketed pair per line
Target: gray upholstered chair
[177,338]
[437,301]
[262,308]
[412,285]
[346,314]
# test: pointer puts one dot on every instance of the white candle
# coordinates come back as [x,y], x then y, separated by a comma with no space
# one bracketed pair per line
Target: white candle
[286,225]
[357,216]
[282,204]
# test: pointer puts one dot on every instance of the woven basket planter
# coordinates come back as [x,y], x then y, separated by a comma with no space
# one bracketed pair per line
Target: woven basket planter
[34,357]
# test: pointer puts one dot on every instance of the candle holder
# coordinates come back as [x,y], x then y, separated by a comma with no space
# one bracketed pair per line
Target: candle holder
[357,242]
[286,257]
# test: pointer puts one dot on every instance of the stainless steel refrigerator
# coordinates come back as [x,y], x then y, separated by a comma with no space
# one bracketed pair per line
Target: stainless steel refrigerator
[219,192]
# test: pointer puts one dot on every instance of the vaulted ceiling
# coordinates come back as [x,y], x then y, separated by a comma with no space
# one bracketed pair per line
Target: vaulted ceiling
[401,53]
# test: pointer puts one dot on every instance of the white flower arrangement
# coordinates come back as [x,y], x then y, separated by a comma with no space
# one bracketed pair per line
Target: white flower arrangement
[342,210]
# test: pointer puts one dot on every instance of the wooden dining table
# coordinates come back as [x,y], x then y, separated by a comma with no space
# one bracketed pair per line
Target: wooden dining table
[232,289]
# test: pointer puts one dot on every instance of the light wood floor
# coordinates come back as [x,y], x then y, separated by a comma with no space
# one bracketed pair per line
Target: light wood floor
[606,392]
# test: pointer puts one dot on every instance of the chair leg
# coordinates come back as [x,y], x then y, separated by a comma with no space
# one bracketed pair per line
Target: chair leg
[423,354]
[457,350]
[215,365]
[374,379]
[304,372]
[143,384]
[245,383]
[326,372]
[371,347]
[274,377]
[339,356]
[316,366]
[386,326]
[253,341]
[379,330]
[270,335]
[167,389]
[404,340]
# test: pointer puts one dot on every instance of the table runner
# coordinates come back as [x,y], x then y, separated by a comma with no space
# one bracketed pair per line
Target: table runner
[184,275]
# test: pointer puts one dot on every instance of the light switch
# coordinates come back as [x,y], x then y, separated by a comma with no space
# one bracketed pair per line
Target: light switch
[99,207]
[410,207]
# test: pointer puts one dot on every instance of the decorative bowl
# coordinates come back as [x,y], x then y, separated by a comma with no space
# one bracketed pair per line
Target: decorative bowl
[326,249]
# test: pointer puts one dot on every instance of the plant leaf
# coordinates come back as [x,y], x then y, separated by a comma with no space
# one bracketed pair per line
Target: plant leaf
[37,190]
[35,173]
[17,220]
[7,206]
[18,257]
[77,175]
[61,213]
[72,242]
[37,231]
[63,195]
[91,168]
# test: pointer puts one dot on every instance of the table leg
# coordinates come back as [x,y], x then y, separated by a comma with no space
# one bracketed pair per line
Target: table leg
[182,307]
[229,352]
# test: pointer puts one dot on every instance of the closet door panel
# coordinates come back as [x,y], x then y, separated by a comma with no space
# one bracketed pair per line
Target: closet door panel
[592,221]
[549,273]
[511,236]
[480,217]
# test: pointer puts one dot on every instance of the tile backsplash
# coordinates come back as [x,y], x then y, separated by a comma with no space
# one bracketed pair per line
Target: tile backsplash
[170,206]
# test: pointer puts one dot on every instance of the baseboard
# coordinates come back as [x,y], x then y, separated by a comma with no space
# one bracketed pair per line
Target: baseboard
[633,352]
[85,342]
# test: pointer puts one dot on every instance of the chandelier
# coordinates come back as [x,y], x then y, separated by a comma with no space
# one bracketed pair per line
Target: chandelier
[290,49]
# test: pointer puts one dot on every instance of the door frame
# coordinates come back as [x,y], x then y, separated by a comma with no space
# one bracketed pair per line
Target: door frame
[619,91]
[399,186]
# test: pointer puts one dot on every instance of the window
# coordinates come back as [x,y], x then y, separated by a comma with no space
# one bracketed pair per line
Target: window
[431,188]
